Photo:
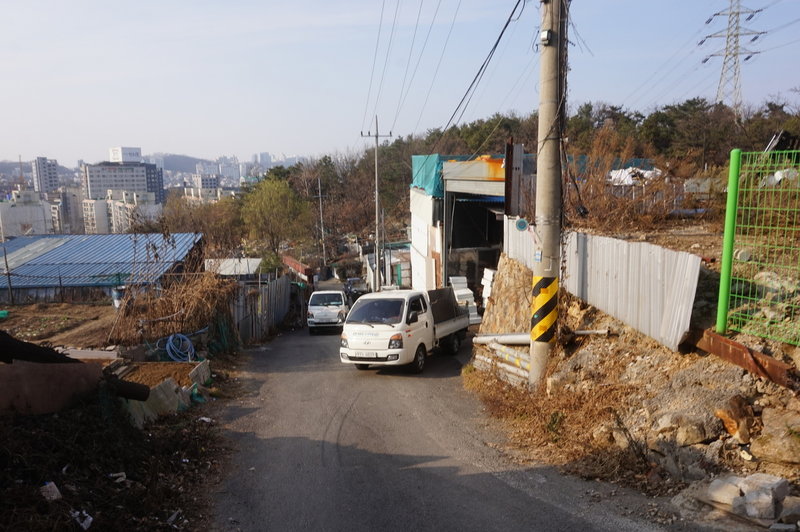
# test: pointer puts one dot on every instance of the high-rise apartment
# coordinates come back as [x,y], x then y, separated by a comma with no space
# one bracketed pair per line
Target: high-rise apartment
[45,175]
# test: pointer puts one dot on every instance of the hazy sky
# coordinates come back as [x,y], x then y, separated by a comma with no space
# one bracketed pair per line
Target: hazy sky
[207,78]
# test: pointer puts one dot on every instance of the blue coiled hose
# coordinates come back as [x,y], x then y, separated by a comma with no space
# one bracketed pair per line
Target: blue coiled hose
[179,348]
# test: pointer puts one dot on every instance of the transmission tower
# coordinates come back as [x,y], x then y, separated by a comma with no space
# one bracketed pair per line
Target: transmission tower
[730,83]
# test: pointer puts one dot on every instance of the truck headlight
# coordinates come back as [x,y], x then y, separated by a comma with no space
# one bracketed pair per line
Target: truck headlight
[342,316]
[310,315]
[344,340]
[396,341]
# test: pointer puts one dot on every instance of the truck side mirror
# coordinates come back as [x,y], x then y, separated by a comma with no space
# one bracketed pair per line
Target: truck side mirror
[413,317]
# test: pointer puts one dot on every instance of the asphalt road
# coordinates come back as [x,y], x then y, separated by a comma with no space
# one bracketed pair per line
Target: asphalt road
[321,446]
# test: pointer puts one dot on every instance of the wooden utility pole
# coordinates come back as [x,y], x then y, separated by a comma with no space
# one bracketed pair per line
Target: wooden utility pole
[547,261]
[376,286]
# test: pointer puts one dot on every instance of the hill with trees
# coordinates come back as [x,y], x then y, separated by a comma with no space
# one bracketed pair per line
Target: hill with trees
[688,139]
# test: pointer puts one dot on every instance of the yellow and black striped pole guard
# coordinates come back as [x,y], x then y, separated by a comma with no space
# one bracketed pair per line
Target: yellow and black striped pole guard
[544,309]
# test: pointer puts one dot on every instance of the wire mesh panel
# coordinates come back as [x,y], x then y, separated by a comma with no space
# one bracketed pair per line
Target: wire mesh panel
[765,256]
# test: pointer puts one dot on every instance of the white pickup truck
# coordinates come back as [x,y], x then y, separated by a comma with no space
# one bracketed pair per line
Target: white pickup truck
[398,327]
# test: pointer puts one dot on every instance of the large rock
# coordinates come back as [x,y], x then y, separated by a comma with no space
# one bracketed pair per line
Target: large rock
[790,512]
[760,504]
[737,417]
[777,486]
[683,430]
[780,438]
[724,490]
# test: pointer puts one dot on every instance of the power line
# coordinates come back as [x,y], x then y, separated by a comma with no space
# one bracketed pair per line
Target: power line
[476,79]
[665,63]
[372,74]
[497,63]
[408,64]
[386,60]
[526,72]
[781,45]
[783,26]
[669,88]
[438,64]
[481,71]
[416,66]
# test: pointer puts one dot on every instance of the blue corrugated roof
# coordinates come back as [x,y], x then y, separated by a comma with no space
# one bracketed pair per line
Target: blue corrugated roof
[98,260]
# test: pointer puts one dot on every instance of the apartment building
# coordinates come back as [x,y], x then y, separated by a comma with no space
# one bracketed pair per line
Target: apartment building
[45,175]
[97,179]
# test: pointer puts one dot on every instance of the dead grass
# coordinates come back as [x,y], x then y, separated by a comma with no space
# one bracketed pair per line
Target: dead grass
[187,303]
[615,209]
[562,423]
[571,428]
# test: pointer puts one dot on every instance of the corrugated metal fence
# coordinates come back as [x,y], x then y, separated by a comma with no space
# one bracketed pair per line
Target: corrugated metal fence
[646,286]
[258,309]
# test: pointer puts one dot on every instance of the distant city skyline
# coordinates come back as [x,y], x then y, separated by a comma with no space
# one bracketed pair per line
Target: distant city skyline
[205,79]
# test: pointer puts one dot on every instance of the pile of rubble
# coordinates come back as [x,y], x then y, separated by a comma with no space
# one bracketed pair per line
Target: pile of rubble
[679,417]
[759,499]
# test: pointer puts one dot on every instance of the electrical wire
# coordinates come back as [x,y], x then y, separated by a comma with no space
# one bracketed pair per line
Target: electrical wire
[386,60]
[481,71]
[416,66]
[783,26]
[438,64]
[526,72]
[372,74]
[669,88]
[780,46]
[664,64]
[408,64]
[499,59]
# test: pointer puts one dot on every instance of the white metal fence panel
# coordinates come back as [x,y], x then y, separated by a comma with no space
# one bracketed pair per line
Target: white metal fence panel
[646,286]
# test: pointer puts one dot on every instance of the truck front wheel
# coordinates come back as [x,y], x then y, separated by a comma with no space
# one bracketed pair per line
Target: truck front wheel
[418,364]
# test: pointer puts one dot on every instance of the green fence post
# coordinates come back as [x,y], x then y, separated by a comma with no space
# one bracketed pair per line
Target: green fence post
[728,242]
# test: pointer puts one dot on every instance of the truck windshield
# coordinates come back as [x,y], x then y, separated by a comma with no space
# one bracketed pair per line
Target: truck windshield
[322,300]
[376,311]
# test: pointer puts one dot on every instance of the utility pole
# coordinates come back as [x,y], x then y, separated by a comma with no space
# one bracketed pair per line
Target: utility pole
[547,261]
[321,222]
[376,286]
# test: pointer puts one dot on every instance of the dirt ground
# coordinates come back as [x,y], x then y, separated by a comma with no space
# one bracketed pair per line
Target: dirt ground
[60,324]
[154,373]
[158,478]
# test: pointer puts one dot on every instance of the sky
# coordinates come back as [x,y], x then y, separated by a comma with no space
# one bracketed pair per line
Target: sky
[237,77]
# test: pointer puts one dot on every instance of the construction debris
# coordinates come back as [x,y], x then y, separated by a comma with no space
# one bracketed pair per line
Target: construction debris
[465,297]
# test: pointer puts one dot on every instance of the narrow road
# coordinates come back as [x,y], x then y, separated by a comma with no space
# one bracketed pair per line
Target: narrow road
[322,446]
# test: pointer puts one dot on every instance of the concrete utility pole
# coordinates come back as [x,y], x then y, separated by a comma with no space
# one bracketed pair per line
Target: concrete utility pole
[321,222]
[376,286]
[544,300]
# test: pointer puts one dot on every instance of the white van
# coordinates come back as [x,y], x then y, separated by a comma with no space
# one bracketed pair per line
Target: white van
[327,309]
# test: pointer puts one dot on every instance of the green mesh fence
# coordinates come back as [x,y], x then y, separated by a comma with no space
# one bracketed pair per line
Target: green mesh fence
[761,256]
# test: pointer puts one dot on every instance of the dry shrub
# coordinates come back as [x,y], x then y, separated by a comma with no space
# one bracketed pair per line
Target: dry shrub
[185,304]
[619,208]
[560,429]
